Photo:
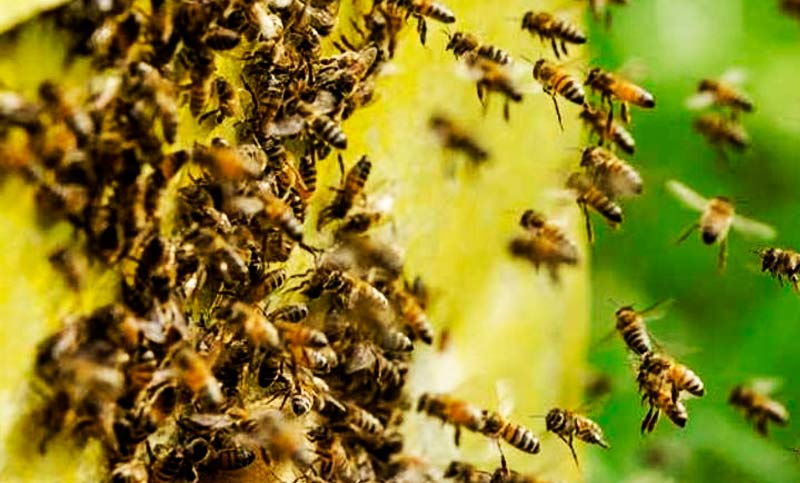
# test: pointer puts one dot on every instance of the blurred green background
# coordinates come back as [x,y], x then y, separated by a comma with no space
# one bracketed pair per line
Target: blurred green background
[730,327]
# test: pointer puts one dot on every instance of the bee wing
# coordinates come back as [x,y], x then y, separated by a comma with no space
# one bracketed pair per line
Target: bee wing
[688,196]
[754,228]
[658,310]
[735,76]
[360,358]
[766,385]
[505,397]
[324,102]
[288,126]
[699,101]
[634,69]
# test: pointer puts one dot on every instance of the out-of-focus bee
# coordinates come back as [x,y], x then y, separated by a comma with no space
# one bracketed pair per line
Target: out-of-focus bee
[568,425]
[611,86]
[453,411]
[333,462]
[632,327]
[133,471]
[278,438]
[590,195]
[15,110]
[227,101]
[456,137]
[71,264]
[462,42]
[466,473]
[611,174]
[717,218]
[196,374]
[544,244]
[227,162]
[600,6]
[721,131]
[547,26]
[221,38]
[496,426]
[660,400]
[352,188]
[414,315]
[253,323]
[505,475]
[791,7]
[422,9]
[780,263]
[758,406]
[231,459]
[492,77]
[722,93]
[555,80]
[76,119]
[293,313]
[597,120]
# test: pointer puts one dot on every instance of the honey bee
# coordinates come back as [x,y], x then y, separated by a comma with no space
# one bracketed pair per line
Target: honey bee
[227,101]
[758,406]
[493,77]
[590,195]
[721,131]
[293,313]
[661,381]
[72,265]
[611,86]
[496,426]
[721,93]
[364,420]
[611,174]
[179,462]
[221,38]
[462,42]
[453,411]
[600,6]
[556,80]
[231,459]
[333,463]
[544,244]
[320,124]
[781,262]
[466,473]
[308,173]
[597,120]
[278,439]
[227,162]
[422,9]
[568,425]
[77,120]
[504,475]
[196,374]
[547,26]
[660,400]
[263,284]
[717,218]
[631,327]
[414,315]
[351,188]
[456,137]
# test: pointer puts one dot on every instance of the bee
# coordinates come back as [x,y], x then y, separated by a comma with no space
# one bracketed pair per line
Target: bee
[721,93]
[414,315]
[590,195]
[301,335]
[278,246]
[77,120]
[462,42]
[351,188]
[466,473]
[293,313]
[278,438]
[568,425]
[422,9]
[334,463]
[556,80]
[496,426]
[717,218]
[263,284]
[781,262]
[611,86]
[670,374]
[504,475]
[253,322]
[364,420]
[633,330]
[547,26]
[597,121]
[758,406]
[221,38]
[660,400]
[320,124]
[611,174]
[544,244]
[456,137]
[600,6]
[307,168]
[227,101]
[721,131]
[453,411]
[72,265]
[493,77]
[227,162]
[231,459]
[196,374]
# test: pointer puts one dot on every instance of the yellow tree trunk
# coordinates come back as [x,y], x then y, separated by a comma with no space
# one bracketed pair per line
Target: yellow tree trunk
[508,323]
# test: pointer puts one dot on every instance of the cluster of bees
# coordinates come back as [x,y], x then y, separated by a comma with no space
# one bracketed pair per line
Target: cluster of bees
[229,304]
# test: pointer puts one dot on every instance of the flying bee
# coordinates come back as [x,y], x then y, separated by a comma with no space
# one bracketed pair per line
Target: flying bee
[253,323]
[721,131]
[590,195]
[600,6]
[227,162]
[462,42]
[555,80]
[466,473]
[611,174]
[352,187]
[632,327]
[611,86]
[597,120]
[559,31]
[545,243]
[496,426]
[568,425]
[453,411]
[455,137]
[414,315]
[722,92]
[717,218]
[196,374]
[669,374]
[758,406]
[781,262]
[422,9]
[660,400]
[492,77]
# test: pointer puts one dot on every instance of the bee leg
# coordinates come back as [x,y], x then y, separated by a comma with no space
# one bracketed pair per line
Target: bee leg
[722,259]
[646,420]
[687,232]
[341,168]
[564,47]
[206,115]
[761,425]
[555,47]
[610,118]
[422,28]
[625,113]
[653,421]
[457,435]
[588,221]
[506,111]
[503,463]
[558,112]
[571,448]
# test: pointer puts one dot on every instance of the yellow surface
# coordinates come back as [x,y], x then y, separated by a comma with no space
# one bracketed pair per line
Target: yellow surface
[508,322]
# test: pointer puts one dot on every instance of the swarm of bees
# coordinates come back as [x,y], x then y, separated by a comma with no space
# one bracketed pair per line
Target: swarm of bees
[216,352]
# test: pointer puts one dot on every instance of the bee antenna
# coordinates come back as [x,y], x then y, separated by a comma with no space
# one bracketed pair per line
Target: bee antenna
[538,416]
[527,59]
[613,302]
